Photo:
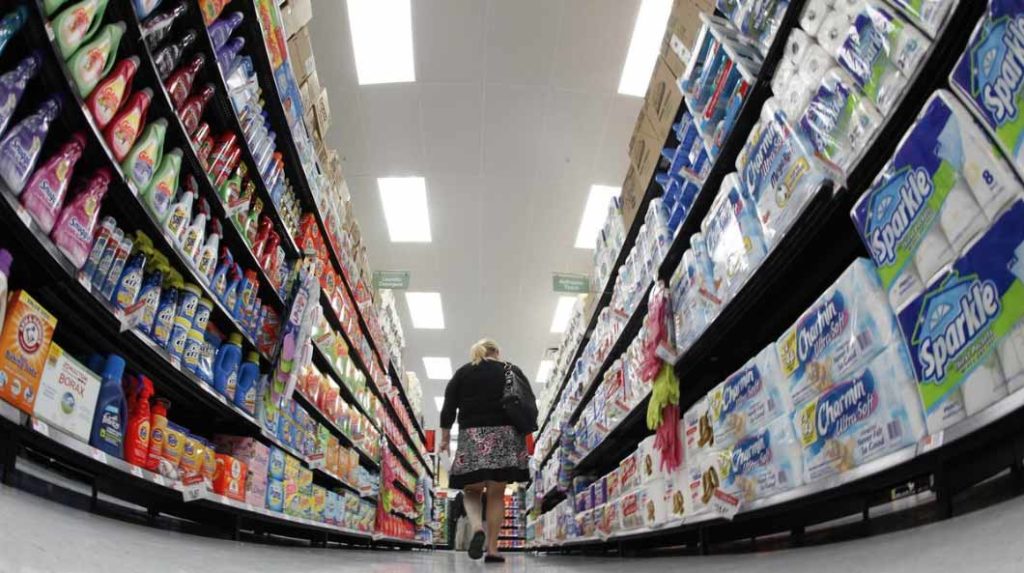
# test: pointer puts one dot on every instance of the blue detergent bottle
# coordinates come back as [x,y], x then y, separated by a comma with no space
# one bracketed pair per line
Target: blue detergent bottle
[225,366]
[245,392]
[111,415]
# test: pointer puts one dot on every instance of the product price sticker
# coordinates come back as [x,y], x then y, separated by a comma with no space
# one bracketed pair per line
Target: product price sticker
[316,462]
[137,471]
[41,427]
[99,455]
[930,442]
[193,487]
[725,505]
[84,280]
[24,216]
[159,480]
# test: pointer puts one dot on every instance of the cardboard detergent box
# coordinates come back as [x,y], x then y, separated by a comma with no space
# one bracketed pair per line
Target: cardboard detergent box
[67,394]
[964,331]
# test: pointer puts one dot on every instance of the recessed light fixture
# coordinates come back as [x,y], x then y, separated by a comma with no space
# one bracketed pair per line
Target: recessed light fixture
[648,32]
[594,214]
[405,208]
[425,310]
[439,402]
[438,367]
[563,312]
[544,371]
[382,40]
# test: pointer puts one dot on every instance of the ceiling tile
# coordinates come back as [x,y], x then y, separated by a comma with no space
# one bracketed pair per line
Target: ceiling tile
[592,44]
[448,40]
[347,134]
[573,126]
[521,37]
[452,116]
[513,121]
[332,46]
[391,120]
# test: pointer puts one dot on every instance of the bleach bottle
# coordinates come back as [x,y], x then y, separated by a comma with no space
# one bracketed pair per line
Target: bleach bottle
[225,366]
[245,392]
[109,421]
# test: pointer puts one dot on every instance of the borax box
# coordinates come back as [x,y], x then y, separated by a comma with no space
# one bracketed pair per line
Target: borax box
[67,394]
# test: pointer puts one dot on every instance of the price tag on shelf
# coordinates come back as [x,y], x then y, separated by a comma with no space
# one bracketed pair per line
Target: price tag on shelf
[725,505]
[99,455]
[137,472]
[192,488]
[41,427]
[84,280]
[24,216]
[159,479]
[316,462]
[930,442]
[133,315]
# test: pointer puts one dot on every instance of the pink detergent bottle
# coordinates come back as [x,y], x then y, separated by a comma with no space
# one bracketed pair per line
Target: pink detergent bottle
[74,229]
[44,193]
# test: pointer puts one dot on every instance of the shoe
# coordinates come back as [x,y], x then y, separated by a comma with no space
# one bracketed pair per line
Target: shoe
[494,559]
[476,545]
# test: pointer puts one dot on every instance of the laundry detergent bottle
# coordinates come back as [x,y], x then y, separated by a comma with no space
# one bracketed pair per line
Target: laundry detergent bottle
[93,61]
[111,92]
[225,366]
[136,446]
[77,24]
[179,83]
[109,421]
[21,145]
[11,24]
[44,193]
[155,29]
[245,391]
[145,156]
[73,231]
[157,432]
[221,30]
[12,86]
[127,124]
[158,196]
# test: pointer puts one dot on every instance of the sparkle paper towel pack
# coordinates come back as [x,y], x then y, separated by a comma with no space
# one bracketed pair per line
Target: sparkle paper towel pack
[943,186]
[990,76]
[964,330]
[929,15]
[747,400]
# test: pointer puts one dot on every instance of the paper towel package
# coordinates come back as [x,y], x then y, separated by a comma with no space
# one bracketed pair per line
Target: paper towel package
[761,464]
[929,15]
[872,412]
[963,331]
[839,121]
[988,76]
[747,400]
[848,324]
[937,193]
[733,237]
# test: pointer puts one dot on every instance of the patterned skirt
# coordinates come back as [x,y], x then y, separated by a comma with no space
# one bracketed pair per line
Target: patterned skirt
[493,453]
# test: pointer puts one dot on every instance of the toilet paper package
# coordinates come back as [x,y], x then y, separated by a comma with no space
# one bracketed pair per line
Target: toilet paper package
[762,464]
[833,30]
[655,512]
[848,324]
[987,76]
[815,12]
[779,172]
[870,413]
[940,190]
[929,15]
[839,121]
[733,237]
[702,480]
[880,52]
[747,400]
[963,330]
[697,432]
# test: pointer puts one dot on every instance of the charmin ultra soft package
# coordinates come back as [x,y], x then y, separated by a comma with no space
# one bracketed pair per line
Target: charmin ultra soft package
[761,464]
[747,400]
[964,331]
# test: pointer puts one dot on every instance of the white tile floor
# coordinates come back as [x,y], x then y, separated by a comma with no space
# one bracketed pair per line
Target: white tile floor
[38,536]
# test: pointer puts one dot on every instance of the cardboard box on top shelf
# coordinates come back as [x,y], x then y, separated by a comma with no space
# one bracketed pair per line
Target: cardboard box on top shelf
[300,52]
[633,189]
[309,88]
[323,113]
[309,120]
[663,99]
[681,31]
[645,147]
[295,15]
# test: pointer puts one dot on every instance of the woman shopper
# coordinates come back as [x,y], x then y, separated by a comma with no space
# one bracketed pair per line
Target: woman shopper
[491,452]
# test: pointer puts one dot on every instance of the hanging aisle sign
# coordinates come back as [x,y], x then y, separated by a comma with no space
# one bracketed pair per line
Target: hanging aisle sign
[394,280]
[571,283]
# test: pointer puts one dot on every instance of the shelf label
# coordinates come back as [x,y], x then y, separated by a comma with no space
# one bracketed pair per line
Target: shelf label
[24,216]
[393,280]
[159,480]
[137,472]
[930,442]
[99,455]
[192,488]
[725,505]
[85,281]
[570,283]
[133,315]
[41,427]
[316,462]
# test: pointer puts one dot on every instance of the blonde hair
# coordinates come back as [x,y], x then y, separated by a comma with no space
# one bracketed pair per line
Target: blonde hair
[484,348]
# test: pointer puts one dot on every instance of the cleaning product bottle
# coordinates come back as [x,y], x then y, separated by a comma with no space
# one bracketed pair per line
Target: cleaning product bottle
[245,391]
[20,147]
[246,294]
[219,282]
[192,110]
[158,195]
[157,432]
[228,52]
[77,24]
[206,260]
[10,25]
[120,257]
[130,283]
[155,29]
[166,59]
[145,156]
[51,6]
[99,244]
[249,228]
[44,193]
[221,30]
[230,299]
[221,150]
[136,444]
[110,418]
[225,366]
[262,232]
[194,236]
[5,272]
[242,205]
[143,8]
[211,9]
[12,86]
[202,142]
[268,261]
[92,62]
[109,94]
[179,215]
[127,124]
[228,192]
[167,309]
[179,83]
[73,231]
[106,258]
[152,287]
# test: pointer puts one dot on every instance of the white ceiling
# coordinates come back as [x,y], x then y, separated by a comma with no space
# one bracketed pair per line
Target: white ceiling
[513,116]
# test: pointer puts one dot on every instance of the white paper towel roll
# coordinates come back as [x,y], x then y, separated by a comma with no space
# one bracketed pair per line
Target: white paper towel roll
[849,7]
[814,65]
[814,14]
[1011,357]
[985,386]
[932,254]
[833,32]
[797,45]
[794,101]
[784,74]
[961,218]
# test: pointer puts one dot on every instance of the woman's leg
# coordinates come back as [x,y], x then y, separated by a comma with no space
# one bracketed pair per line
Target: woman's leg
[495,514]
[474,505]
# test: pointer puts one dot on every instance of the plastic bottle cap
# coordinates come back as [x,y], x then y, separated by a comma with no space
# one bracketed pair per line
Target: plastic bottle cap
[253,356]
[5,261]
[235,338]
[195,335]
[114,367]
[193,289]
[182,322]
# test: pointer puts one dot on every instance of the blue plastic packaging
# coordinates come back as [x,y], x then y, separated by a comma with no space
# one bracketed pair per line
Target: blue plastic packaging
[12,86]
[109,421]
[225,366]
[245,392]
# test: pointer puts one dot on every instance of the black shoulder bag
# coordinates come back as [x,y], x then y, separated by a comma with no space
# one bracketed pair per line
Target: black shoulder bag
[518,402]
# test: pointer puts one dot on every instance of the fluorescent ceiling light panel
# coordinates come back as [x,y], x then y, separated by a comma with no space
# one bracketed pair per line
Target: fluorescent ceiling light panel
[382,40]
[425,310]
[594,214]
[563,312]
[439,402]
[544,371]
[438,367]
[405,208]
[648,32]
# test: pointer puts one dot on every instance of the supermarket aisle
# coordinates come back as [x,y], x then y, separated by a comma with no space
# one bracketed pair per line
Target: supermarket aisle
[41,536]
